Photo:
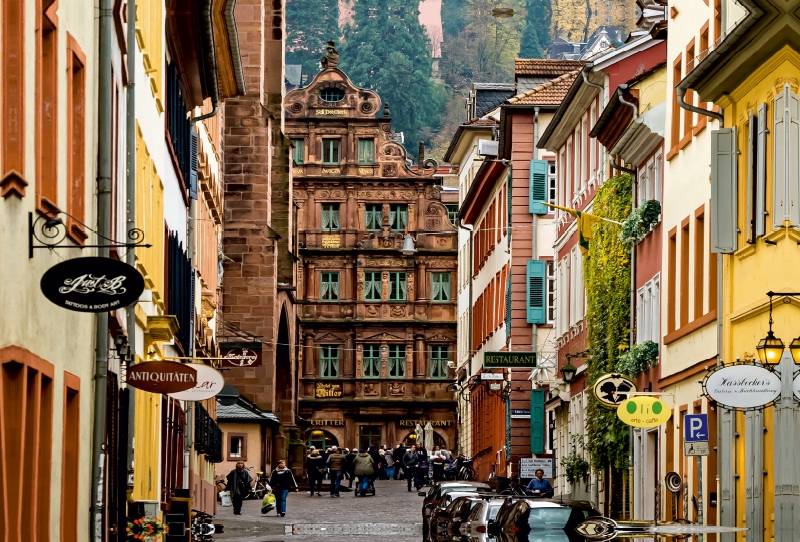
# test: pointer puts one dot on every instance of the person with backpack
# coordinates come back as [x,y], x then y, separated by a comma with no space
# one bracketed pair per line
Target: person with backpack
[350,466]
[282,482]
[336,464]
[364,470]
[239,482]
[315,471]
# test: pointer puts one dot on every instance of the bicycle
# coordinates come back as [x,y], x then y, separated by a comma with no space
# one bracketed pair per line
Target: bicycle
[260,488]
[466,472]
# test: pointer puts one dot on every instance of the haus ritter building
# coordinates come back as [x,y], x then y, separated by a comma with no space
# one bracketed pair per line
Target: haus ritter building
[376,328]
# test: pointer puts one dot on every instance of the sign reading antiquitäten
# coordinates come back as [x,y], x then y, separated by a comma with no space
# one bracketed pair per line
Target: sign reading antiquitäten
[509,359]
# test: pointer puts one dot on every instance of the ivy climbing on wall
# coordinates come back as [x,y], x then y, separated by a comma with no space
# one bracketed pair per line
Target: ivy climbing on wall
[608,289]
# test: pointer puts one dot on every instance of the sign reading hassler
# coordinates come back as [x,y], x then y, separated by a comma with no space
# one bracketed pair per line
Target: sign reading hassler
[742,386]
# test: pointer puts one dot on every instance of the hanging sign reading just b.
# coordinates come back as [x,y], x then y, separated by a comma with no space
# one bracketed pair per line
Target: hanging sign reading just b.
[92,284]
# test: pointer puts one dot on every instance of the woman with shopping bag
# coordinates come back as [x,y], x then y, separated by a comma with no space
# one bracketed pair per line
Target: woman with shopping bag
[239,482]
[268,502]
[282,482]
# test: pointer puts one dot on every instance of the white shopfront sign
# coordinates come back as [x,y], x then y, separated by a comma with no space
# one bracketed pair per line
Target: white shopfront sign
[529,465]
[743,386]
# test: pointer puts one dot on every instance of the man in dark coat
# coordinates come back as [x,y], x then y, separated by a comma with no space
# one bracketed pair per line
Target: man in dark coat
[239,481]
[336,464]
[397,455]
[315,470]
[350,466]
[410,462]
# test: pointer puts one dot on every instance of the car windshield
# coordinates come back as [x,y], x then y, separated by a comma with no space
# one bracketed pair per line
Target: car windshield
[554,518]
[493,510]
[459,489]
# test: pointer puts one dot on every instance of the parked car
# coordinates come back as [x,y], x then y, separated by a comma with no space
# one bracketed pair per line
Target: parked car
[447,517]
[474,528]
[440,489]
[529,519]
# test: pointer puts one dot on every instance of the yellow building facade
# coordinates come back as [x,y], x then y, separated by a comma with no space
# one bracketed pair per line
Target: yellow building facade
[753,75]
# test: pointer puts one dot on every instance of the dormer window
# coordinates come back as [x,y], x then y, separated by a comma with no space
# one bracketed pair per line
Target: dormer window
[331,95]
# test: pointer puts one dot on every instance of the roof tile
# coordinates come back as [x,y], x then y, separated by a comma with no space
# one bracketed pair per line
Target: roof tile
[550,93]
[545,66]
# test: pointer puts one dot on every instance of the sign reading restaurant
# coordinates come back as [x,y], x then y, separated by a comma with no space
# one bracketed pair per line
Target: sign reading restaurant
[496,360]
[434,423]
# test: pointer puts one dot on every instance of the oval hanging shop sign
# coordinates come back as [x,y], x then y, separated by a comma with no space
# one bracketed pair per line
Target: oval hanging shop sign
[644,411]
[162,376]
[209,383]
[612,389]
[92,284]
[742,386]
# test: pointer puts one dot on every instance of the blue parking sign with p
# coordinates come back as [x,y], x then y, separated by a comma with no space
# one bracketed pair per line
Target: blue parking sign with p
[695,427]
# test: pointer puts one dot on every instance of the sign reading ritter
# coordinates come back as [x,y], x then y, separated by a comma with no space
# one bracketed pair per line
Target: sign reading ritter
[92,284]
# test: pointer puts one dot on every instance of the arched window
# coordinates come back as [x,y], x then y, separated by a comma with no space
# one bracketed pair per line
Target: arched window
[322,440]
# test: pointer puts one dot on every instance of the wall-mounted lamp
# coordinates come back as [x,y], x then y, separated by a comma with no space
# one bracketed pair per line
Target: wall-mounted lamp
[568,372]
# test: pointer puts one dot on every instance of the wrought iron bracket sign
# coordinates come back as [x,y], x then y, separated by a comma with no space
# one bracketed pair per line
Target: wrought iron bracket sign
[240,354]
[92,284]
[50,232]
[742,386]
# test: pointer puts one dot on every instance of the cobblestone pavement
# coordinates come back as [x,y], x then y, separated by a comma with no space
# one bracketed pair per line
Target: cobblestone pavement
[392,511]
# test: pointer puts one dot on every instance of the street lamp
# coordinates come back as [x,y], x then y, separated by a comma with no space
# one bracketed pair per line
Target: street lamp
[770,348]
[409,248]
[568,372]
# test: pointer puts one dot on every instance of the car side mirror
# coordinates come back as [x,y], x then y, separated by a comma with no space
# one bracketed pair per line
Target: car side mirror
[422,493]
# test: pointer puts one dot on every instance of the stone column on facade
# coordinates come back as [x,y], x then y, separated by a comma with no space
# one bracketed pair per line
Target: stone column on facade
[409,358]
[351,210]
[349,369]
[311,282]
[420,210]
[359,361]
[422,287]
[311,210]
[308,355]
[419,356]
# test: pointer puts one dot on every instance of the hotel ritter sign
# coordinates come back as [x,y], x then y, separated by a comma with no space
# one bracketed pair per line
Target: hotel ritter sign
[498,360]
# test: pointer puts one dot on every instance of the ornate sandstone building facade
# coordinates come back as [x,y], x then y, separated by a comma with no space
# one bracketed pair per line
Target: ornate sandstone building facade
[376,324]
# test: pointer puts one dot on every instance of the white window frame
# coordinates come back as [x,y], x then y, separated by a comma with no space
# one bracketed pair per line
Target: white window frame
[570,193]
[551,296]
[648,311]
[552,183]
[585,143]
[593,147]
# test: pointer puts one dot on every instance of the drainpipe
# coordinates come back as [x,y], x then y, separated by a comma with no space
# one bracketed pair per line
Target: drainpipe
[587,82]
[211,61]
[104,151]
[632,339]
[469,325]
[681,93]
[130,222]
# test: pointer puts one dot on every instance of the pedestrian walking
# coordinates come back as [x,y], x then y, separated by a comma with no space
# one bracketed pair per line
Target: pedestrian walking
[239,482]
[437,461]
[388,457]
[350,466]
[336,464]
[540,486]
[397,455]
[364,470]
[315,471]
[424,466]
[282,482]
[410,463]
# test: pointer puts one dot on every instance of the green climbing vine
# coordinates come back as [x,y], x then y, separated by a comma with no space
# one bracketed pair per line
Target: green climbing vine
[638,359]
[608,282]
[640,222]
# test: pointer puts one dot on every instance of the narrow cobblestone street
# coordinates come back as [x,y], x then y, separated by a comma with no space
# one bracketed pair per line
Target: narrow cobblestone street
[392,511]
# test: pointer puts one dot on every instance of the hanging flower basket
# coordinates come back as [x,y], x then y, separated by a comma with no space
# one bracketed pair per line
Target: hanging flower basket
[146,529]
[640,222]
[638,359]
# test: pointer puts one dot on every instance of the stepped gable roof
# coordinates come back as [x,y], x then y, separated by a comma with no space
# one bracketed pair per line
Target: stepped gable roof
[545,66]
[550,93]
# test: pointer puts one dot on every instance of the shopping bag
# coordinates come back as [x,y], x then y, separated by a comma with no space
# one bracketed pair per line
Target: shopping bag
[268,503]
[225,497]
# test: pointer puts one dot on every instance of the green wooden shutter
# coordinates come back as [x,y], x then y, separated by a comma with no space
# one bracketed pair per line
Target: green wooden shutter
[537,421]
[761,172]
[535,291]
[538,187]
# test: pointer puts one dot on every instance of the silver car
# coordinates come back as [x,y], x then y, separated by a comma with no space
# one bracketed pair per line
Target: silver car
[475,527]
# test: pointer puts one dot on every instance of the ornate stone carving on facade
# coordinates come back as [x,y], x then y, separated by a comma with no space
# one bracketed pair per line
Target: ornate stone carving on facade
[385,262]
[439,337]
[410,286]
[440,264]
[389,170]
[373,311]
[371,389]
[386,242]
[434,209]
[330,264]
[433,223]
[331,58]
[398,311]
[383,337]
[397,389]
[330,337]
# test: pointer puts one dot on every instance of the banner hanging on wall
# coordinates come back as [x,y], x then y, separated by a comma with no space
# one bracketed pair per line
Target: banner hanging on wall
[92,284]
[742,386]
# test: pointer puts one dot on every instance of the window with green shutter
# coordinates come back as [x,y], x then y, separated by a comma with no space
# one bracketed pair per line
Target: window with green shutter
[398,286]
[373,216]
[371,366]
[537,421]
[331,151]
[299,151]
[330,216]
[372,286]
[438,360]
[440,287]
[366,151]
[398,217]
[538,187]
[535,291]
[397,361]
[329,361]
[329,287]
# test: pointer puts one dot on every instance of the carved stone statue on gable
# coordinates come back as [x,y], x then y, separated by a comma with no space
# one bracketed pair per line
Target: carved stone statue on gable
[331,58]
